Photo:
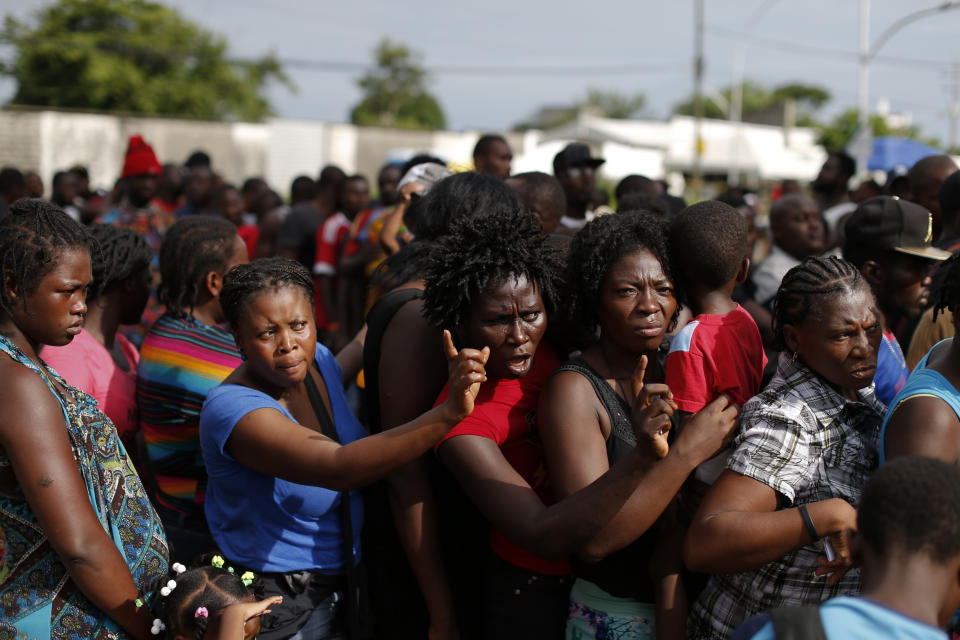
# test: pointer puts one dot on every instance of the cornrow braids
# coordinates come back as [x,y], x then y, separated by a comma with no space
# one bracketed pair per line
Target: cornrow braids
[947,295]
[596,248]
[266,274]
[482,250]
[193,247]
[205,587]
[32,235]
[814,277]
[120,254]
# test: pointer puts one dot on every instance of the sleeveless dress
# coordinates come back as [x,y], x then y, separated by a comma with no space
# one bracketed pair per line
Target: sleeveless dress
[613,598]
[37,598]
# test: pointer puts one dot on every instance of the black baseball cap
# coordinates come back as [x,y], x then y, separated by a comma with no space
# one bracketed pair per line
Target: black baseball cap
[575,154]
[889,223]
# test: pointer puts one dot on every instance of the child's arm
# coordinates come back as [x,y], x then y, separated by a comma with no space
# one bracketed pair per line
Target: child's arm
[666,571]
[233,618]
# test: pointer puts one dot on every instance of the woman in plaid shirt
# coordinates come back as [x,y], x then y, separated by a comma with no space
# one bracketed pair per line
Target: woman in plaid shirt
[806,447]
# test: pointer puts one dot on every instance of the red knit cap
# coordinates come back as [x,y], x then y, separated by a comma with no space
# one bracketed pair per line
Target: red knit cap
[140,159]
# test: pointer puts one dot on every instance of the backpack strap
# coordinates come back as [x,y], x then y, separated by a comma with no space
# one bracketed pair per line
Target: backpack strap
[328,429]
[797,623]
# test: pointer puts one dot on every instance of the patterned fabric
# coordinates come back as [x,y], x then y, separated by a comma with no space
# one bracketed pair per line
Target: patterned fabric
[37,598]
[808,443]
[596,615]
[180,361]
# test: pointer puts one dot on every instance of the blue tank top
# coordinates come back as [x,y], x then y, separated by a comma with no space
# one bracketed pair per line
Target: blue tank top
[922,382]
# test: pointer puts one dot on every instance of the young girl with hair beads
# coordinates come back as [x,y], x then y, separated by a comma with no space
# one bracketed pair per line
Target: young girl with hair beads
[210,602]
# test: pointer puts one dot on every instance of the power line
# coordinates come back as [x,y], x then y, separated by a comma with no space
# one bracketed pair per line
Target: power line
[546,70]
[825,52]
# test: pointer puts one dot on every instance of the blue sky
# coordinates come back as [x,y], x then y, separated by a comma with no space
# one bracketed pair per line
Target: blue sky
[810,41]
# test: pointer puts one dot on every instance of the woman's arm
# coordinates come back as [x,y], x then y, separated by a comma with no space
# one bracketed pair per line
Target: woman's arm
[33,434]
[408,338]
[923,426]
[738,527]
[513,507]
[350,358]
[270,443]
[570,424]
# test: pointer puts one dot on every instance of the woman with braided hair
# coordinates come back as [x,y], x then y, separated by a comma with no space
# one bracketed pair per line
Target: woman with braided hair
[84,547]
[284,455]
[924,417]
[806,446]
[100,360]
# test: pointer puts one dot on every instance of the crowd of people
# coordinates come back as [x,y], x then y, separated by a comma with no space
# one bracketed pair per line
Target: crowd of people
[481,405]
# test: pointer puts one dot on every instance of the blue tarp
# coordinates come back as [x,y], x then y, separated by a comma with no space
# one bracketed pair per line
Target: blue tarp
[890,152]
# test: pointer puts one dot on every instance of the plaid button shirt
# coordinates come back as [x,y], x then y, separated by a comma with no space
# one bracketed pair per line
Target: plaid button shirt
[803,439]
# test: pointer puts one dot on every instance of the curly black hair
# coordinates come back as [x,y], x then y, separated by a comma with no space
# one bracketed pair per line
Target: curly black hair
[209,587]
[193,247]
[482,251]
[597,247]
[947,282]
[458,196]
[911,505]
[712,238]
[120,253]
[265,274]
[814,277]
[32,235]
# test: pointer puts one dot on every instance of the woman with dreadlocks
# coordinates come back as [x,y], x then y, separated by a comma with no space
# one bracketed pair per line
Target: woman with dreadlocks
[806,446]
[924,417]
[84,549]
[284,454]
[99,360]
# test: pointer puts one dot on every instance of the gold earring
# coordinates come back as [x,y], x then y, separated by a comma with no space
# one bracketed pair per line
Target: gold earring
[794,358]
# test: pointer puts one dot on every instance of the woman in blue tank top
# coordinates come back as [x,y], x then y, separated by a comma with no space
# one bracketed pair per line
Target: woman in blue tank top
[924,417]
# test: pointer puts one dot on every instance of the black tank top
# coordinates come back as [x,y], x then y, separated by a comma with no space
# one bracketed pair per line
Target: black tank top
[625,573]
[378,318]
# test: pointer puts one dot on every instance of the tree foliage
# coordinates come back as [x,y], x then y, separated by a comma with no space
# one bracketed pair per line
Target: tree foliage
[395,94]
[843,128]
[135,56]
[606,103]
[758,100]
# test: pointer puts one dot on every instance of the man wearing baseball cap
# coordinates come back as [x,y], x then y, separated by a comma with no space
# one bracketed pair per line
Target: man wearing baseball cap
[576,170]
[889,240]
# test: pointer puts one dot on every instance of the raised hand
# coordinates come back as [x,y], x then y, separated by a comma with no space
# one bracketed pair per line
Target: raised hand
[708,431]
[466,372]
[653,409]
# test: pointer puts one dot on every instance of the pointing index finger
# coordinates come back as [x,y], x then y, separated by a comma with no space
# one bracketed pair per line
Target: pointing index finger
[638,373]
[448,349]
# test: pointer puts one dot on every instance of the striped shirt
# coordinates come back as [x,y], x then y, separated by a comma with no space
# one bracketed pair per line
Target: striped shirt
[180,361]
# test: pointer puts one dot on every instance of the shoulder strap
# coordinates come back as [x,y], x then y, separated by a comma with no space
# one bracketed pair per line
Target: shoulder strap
[797,623]
[617,408]
[328,429]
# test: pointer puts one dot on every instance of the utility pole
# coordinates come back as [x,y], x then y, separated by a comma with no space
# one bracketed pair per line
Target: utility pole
[698,99]
[954,111]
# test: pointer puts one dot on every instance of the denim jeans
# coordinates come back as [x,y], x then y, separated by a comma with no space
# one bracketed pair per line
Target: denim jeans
[521,604]
[319,624]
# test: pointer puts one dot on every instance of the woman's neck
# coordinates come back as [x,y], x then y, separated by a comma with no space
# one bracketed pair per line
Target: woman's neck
[12,332]
[204,313]
[102,321]
[621,364]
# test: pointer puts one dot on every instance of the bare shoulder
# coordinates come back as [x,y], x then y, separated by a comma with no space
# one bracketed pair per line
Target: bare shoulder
[26,400]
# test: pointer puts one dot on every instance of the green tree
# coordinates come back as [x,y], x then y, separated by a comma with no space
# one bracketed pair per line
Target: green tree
[135,56]
[842,129]
[605,103]
[759,100]
[394,93]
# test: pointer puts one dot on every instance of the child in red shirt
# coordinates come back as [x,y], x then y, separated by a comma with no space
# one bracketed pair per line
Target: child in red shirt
[720,351]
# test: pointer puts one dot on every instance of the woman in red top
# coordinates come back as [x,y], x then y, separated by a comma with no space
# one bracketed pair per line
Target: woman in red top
[493,282]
